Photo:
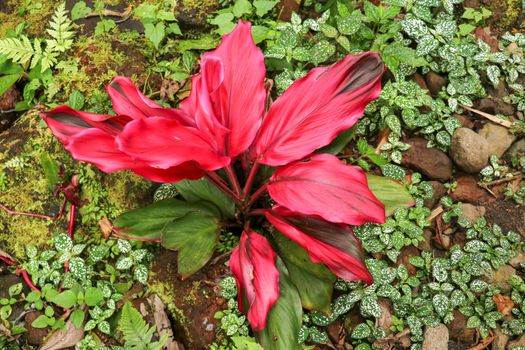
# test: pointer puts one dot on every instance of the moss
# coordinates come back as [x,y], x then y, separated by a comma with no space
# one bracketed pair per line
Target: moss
[32,15]
[27,188]
[165,293]
[511,13]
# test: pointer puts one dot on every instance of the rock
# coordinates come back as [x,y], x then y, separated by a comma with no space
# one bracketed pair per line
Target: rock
[459,331]
[438,191]
[435,82]
[516,343]
[8,101]
[436,338]
[426,243]
[501,278]
[515,151]
[404,257]
[27,187]
[495,105]
[419,80]
[484,34]
[498,137]
[431,162]
[470,151]
[467,190]
[193,13]
[471,212]
[500,340]
[7,281]
[287,7]
[34,336]
[517,260]
[465,121]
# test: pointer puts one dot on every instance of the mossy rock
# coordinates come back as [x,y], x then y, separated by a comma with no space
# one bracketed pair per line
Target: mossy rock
[25,187]
[194,13]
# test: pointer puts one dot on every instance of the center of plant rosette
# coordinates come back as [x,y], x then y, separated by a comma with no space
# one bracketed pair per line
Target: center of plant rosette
[239,164]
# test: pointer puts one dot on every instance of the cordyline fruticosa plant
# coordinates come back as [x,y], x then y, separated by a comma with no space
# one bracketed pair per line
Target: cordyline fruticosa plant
[237,159]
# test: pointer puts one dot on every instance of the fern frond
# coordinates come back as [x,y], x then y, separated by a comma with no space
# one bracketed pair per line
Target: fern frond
[137,334]
[18,50]
[60,30]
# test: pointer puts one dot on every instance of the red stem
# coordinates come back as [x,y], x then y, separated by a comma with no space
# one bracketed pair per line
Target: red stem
[12,212]
[249,181]
[6,260]
[27,279]
[72,214]
[224,188]
[232,177]
[257,212]
[256,195]
[121,235]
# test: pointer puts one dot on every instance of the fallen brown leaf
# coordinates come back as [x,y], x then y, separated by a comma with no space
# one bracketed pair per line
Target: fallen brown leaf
[504,304]
[486,342]
[64,338]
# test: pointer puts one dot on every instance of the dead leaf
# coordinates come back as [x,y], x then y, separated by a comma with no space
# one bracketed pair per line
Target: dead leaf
[6,257]
[396,341]
[504,304]
[163,323]
[385,321]
[64,338]
[168,89]
[5,331]
[486,342]
[106,227]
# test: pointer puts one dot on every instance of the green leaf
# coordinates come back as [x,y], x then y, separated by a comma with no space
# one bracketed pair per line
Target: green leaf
[93,296]
[148,222]
[77,318]
[284,319]
[50,167]
[7,81]
[194,236]
[339,143]
[76,100]
[466,28]
[203,189]
[66,299]
[314,282]
[241,7]
[391,193]
[136,331]
[155,33]
[41,321]
[262,7]
[371,12]
[80,10]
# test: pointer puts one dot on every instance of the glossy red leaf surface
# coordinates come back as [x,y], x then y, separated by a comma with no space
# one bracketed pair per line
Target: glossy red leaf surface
[253,266]
[317,107]
[326,187]
[333,245]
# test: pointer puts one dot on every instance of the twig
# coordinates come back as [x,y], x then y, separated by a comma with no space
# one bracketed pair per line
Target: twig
[484,343]
[434,214]
[490,117]
[384,139]
[110,13]
[486,185]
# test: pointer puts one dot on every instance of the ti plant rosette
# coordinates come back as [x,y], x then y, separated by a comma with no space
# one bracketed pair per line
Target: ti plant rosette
[240,160]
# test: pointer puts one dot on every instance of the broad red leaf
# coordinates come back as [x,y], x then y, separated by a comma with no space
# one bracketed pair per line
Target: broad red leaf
[334,245]
[128,100]
[234,82]
[317,107]
[164,143]
[325,186]
[65,122]
[253,266]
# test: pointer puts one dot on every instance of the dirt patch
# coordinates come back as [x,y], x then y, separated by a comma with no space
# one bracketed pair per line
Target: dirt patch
[507,214]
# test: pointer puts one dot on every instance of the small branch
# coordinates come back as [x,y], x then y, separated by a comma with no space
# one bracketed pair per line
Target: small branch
[501,181]
[435,213]
[490,117]
[110,13]
[13,212]
[249,181]
[257,212]
[384,139]
[224,188]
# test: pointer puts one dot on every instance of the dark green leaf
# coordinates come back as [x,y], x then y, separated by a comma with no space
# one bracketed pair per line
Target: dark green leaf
[41,321]
[285,318]
[391,193]
[76,100]
[6,81]
[203,189]
[194,236]
[148,222]
[339,143]
[50,167]
[314,282]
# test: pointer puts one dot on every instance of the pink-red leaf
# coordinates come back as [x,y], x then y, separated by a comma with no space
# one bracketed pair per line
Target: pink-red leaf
[334,245]
[253,266]
[128,100]
[164,143]
[326,187]
[234,82]
[316,108]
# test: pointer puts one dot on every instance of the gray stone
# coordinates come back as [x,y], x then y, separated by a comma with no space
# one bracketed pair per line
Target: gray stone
[469,150]
[516,343]
[516,150]
[436,338]
[501,278]
[435,82]
[471,212]
[500,340]
[498,137]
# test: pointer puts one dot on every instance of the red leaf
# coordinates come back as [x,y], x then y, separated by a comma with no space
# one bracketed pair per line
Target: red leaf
[334,245]
[233,78]
[164,143]
[128,100]
[326,187]
[317,107]
[253,266]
